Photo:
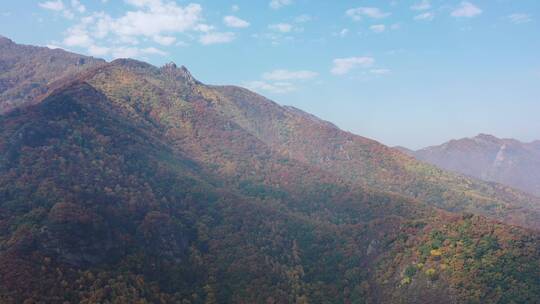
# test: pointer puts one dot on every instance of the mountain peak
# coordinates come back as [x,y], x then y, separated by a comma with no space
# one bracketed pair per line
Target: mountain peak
[131,63]
[483,138]
[170,65]
[173,71]
[5,40]
[486,137]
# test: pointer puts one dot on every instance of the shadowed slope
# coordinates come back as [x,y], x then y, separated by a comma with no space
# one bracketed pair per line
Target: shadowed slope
[93,189]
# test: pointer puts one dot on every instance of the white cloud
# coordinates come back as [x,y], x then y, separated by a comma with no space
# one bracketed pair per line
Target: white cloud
[343,33]
[156,21]
[56,5]
[277,4]
[232,21]
[76,4]
[95,50]
[125,52]
[380,71]
[59,6]
[281,75]
[276,87]
[205,28]
[378,28]
[155,18]
[133,52]
[466,9]
[372,12]
[216,38]
[235,8]
[78,39]
[181,43]
[281,27]
[421,6]
[153,51]
[303,18]
[520,18]
[427,16]
[164,40]
[281,81]
[54,46]
[343,66]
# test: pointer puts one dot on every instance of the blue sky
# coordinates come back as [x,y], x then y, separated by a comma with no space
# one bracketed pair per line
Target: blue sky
[411,73]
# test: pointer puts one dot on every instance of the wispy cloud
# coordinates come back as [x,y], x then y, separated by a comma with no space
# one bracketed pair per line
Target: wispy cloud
[303,18]
[378,28]
[421,6]
[277,4]
[233,21]
[281,27]
[281,81]
[380,72]
[68,11]
[57,5]
[371,12]
[466,9]
[275,87]
[342,33]
[216,38]
[164,40]
[520,18]
[427,16]
[76,4]
[342,66]
[281,75]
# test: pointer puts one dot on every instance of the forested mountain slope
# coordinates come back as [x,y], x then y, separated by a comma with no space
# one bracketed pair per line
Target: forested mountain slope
[129,183]
[27,72]
[506,161]
[301,136]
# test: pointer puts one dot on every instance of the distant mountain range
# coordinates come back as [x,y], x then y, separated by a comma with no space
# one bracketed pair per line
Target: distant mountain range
[505,161]
[122,182]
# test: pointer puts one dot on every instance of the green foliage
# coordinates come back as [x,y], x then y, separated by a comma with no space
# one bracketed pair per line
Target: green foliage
[410,271]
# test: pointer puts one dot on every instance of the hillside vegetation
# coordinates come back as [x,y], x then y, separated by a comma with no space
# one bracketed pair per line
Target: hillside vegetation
[129,183]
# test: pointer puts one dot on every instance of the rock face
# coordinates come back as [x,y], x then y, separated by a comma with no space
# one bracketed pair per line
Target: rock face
[181,74]
[487,157]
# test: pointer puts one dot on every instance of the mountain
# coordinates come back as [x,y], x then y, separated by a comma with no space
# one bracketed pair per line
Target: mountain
[505,161]
[128,183]
[359,160]
[26,72]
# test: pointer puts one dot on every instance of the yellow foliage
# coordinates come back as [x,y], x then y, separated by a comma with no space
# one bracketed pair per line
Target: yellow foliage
[436,252]
[406,280]
[432,273]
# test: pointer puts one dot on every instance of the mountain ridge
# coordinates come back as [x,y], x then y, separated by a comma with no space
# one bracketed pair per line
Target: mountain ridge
[129,182]
[372,161]
[26,71]
[504,160]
